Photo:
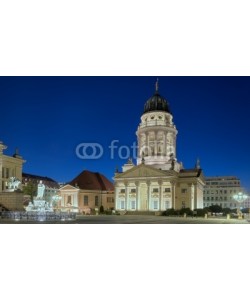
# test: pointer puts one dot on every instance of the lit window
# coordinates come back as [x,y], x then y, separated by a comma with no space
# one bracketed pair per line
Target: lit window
[132,204]
[167,205]
[86,200]
[155,204]
[122,204]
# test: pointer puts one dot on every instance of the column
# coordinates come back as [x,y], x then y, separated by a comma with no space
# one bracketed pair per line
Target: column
[116,197]
[155,144]
[146,151]
[137,196]
[149,196]
[192,197]
[160,196]
[126,197]
[173,195]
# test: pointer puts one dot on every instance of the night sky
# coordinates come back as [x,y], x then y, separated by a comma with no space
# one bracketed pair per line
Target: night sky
[47,117]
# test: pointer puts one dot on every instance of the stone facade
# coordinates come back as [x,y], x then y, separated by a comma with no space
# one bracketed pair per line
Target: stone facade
[10,167]
[221,190]
[87,193]
[158,182]
[144,188]
[11,201]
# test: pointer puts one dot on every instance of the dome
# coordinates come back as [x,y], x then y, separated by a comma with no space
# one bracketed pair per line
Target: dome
[156,102]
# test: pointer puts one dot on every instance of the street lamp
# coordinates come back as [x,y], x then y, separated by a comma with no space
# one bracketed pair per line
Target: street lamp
[240,198]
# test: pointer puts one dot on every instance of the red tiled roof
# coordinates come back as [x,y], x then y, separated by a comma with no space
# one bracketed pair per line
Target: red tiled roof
[92,181]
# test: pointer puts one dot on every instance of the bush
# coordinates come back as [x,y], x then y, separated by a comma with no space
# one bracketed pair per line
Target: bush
[226,211]
[101,210]
[201,212]
[186,211]
[170,212]
[215,209]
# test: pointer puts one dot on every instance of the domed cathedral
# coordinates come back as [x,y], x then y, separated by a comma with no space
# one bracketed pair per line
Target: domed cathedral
[156,134]
[158,182]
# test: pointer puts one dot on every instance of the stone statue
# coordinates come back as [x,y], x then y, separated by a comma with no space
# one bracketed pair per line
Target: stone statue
[13,183]
[40,190]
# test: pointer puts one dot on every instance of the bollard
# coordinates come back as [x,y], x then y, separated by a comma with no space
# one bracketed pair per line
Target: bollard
[185,215]
[228,217]
[205,216]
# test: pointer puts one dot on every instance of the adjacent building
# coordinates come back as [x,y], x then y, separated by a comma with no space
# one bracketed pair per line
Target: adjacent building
[158,181]
[220,190]
[10,180]
[88,192]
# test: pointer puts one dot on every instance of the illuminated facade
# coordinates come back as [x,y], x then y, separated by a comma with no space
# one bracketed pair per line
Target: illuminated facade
[87,193]
[158,182]
[10,167]
[220,190]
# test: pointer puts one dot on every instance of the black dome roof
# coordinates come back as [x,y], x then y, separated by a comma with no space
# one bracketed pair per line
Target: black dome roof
[156,102]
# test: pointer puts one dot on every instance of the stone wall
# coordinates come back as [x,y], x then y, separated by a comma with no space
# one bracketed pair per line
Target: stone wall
[12,201]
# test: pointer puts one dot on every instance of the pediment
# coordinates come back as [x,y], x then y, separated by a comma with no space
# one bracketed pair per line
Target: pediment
[144,171]
[68,187]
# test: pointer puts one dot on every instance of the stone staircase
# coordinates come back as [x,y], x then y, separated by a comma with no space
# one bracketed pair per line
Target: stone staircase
[140,213]
[3,208]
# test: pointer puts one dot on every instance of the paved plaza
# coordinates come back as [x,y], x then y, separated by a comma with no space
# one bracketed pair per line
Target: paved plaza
[106,219]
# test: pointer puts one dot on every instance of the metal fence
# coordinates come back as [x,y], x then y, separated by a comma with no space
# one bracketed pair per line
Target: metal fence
[38,216]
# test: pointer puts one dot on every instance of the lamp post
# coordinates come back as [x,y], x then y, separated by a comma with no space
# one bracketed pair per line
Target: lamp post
[240,198]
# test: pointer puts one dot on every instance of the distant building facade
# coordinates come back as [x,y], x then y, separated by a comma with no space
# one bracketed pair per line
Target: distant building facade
[86,193]
[51,186]
[220,190]
[158,182]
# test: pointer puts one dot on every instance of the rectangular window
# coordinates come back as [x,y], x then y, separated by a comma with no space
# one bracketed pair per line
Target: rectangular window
[133,191]
[122,191]
[183,191]
[96,201]
[167,206]
[122,204]
[183,204]
[167,190]
[155,204]
[110,200]
[86,200]
[132,204]
[155,190]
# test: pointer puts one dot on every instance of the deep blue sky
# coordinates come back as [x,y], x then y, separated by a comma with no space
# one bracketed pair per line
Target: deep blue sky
[47,117]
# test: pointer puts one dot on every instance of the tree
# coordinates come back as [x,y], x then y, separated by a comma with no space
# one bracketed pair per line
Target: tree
[215,209]
[30,189]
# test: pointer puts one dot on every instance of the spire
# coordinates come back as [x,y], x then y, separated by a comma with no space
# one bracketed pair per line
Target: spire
[157,86]
[198,164]
[16,154]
